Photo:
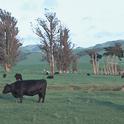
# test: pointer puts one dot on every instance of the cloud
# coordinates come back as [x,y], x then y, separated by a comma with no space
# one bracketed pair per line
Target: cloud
[28,39]
[25,11]
[90,21]
[103,34]
[93,21]
[50,3]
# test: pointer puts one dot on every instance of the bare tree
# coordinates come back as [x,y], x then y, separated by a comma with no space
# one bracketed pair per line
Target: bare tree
[94,60]
[67,50]
[74,63]
[63,51]
[9,44]
[47,30]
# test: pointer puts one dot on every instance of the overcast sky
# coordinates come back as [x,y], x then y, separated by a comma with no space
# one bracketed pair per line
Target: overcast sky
[90,21]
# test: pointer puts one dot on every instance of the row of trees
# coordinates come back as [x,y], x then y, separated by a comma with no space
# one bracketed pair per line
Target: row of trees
[55,42]
[112,55]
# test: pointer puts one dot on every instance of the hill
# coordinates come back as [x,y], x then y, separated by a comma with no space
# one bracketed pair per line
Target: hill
[108,43]
[98,47]
[30,48]
[34,51]
[35,48]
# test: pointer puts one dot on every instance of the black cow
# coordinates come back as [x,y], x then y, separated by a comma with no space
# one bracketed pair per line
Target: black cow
[50,77]
[18,76]
[47,72]
[56,72]
[88,74]
[122,76]
[27,87]
[4,75]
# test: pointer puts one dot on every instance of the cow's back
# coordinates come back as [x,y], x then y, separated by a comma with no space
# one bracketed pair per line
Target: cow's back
[31,86]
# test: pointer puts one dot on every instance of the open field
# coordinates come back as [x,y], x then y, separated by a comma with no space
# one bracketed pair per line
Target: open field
[62,107]
[70,99]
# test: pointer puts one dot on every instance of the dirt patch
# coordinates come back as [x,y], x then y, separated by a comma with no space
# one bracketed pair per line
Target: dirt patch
[74,87]
[85,88]
[55,87]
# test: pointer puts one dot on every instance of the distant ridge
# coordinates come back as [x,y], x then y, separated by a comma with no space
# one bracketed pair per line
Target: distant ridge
[108,43]
[35,48]
[30,51]
[99,47]
[30,48]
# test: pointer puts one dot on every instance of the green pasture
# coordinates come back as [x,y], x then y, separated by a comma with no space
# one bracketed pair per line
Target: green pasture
[73,98]
[64,107]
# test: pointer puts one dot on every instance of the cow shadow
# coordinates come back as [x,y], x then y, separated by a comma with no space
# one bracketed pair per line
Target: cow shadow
[10,98]
[6,97]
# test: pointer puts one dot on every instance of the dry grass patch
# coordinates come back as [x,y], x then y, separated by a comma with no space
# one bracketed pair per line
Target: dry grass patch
[85,87]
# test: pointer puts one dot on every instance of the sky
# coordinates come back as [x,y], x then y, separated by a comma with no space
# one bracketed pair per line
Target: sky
[90,21]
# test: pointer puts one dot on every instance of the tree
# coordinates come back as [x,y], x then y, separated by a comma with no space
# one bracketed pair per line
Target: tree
[47,29]
[67,50]
[63,50]
[74,63]
[94,60]
[9,44]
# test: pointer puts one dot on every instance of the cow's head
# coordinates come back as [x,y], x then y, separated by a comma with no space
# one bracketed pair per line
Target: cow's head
[18,76]
[7,89]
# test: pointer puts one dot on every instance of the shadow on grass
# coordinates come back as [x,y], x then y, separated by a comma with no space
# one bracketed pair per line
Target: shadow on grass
[107,104]
[10,98]
[6,97]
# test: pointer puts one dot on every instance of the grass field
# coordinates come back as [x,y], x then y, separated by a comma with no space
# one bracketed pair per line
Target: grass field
[70,99]
[62,107]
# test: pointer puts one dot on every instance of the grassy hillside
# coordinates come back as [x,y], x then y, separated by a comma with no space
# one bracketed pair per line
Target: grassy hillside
[70,99]
[73,98]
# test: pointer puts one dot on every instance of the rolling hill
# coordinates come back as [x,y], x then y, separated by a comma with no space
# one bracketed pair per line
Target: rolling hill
[109,43]
[32,53]
[35,48]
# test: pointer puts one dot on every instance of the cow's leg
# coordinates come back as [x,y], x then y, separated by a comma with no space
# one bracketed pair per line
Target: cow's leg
[17,100]
[43,97]
[20,100]
[21,97]
[40,96]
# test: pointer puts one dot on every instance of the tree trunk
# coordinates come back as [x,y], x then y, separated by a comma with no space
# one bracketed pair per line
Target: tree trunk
[7,67]
[93,64]
[115,69]
[52,65]
[107,66]
[112,65]
[96,64]
[98,67]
